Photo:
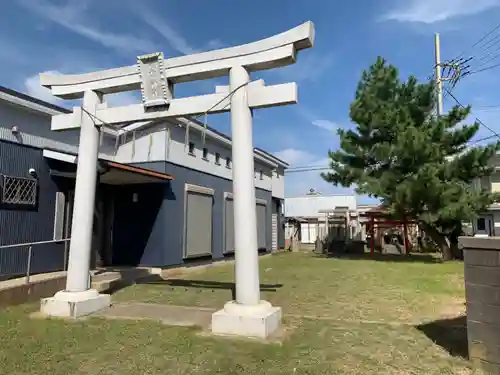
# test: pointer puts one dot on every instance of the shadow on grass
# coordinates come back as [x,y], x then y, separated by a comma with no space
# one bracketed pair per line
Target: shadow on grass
[197,284]
[450,334]
[378,257]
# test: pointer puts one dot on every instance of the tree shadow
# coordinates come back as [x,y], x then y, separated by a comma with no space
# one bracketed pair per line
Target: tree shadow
[450,334]
[196,284]
[380,257]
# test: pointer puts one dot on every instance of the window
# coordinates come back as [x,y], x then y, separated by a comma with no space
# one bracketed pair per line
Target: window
[217,158]
[59,216]
[261,174]
[205,153]
[191,148]
[18,190]
[228,162]
[481,224]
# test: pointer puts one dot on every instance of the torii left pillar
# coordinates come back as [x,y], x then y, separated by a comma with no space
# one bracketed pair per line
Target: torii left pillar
[78,299]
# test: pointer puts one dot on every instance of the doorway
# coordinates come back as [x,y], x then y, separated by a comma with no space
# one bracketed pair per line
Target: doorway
[102,228]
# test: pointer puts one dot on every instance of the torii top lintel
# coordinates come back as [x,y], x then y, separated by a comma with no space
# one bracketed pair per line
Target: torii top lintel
[276,51]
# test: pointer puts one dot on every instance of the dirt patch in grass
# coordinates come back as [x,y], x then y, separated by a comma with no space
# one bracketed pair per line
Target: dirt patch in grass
[455,307]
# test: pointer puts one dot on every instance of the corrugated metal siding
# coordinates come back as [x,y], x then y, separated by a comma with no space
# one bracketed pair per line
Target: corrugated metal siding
[21,226]
[34,130]
[164,244]
[308,206]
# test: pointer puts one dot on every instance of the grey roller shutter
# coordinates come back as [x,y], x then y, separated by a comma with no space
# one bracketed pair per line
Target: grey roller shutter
[229,226]
[198,230]
[261,226]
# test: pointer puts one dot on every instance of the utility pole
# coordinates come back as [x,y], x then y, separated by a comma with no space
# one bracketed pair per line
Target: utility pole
[439,81]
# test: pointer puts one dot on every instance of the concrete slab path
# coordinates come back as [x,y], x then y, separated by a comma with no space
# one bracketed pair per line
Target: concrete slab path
[167,314]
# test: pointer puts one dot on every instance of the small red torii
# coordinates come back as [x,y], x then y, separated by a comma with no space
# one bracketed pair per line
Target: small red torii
[379,217]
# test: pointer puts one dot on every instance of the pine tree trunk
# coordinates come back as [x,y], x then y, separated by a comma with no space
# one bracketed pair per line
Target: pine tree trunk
[439,239]
[455,250]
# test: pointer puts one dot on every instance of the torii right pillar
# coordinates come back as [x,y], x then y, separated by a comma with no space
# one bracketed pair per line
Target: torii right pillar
[248,315]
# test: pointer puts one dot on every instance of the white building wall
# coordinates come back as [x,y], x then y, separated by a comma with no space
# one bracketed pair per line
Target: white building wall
[34,130]
[278,183]
[492,184]
[496,223]
[167,142]
[309,205]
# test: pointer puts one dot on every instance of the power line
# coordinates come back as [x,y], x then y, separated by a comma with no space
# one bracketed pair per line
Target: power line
[308,166]
[487,106]
[484,57]
[489,44]
[291,170]
[480,40]
[484,138]
[231,93]
[488,110]
[484,44]
[477,119]
[313,168]
[484,69]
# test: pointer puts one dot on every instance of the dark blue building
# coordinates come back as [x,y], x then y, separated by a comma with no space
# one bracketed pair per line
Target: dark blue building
[163,197]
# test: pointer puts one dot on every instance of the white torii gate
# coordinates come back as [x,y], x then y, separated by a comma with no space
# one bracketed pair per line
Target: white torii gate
[156,76]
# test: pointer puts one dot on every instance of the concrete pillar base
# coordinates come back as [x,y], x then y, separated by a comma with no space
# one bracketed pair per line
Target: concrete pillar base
[74,304]
[258,321]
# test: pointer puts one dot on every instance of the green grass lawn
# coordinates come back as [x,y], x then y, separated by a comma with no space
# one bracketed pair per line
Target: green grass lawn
[306,285]
[339,314]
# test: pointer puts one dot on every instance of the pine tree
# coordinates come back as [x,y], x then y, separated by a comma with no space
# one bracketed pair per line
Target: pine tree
[420,166]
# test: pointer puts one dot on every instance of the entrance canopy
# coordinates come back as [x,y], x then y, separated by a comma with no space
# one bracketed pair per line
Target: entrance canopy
[112,173]
[122,174]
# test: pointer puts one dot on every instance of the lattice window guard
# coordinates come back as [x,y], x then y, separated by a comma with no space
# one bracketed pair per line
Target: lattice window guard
[18,190]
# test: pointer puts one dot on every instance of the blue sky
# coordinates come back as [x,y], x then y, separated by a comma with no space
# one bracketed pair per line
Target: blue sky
[85,35]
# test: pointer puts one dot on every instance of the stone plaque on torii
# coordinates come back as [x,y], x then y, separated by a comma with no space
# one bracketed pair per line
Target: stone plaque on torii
[156,76]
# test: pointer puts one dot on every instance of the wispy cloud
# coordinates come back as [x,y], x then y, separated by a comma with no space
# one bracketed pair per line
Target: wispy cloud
[171,34]
[32,87]
[72,16]
[326,125]
[309,67]
[174,39]
[316,120]
[215,44]
[296,157]
[432,11]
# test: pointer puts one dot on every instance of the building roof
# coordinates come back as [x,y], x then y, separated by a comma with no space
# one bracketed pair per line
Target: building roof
[274,158]
[39,105]
[29,99]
